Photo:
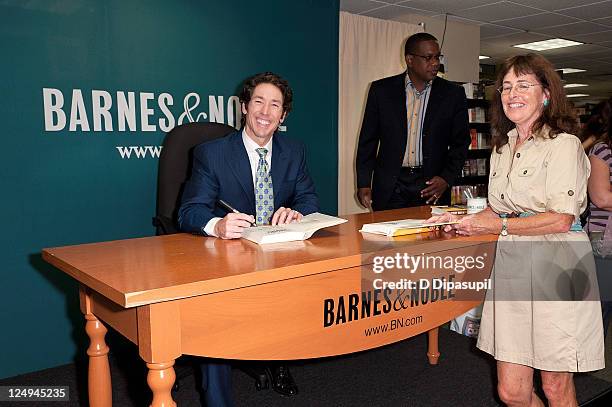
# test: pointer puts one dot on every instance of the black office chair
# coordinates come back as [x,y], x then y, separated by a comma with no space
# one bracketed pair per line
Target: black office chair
[175,163]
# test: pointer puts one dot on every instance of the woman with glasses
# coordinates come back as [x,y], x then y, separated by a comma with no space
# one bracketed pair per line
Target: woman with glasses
[543,311]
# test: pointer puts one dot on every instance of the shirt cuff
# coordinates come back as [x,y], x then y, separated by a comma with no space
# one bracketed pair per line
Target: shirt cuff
[209,229]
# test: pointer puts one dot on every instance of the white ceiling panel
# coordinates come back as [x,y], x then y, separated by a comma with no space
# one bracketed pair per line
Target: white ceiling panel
[491,30]
[394,12]
[592,51]
[569,31]
[444,6]
[497,11]
[597,10]
[458,19]
[549,5]
[573,52]
[605,21]
[359,6]
[518,38]
[597,38]
[538,20]
[606,58]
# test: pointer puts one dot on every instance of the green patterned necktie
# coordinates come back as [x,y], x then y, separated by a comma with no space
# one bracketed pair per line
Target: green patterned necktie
[264,193]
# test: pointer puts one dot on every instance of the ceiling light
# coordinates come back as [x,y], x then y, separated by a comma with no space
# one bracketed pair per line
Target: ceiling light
[575,85]
[483,57]
[577,95]
[572,70]
[548,44]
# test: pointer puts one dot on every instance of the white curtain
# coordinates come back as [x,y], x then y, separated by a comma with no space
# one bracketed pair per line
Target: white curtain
[370,49]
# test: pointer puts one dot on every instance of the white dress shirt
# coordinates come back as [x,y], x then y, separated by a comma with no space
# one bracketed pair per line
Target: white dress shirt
[251,148]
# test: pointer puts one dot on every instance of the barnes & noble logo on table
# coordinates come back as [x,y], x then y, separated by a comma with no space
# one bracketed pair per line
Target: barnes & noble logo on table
[129,111]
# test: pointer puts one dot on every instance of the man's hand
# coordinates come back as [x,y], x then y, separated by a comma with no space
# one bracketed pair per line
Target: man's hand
[285,215]
[365,197]
[232,225]
[436,187]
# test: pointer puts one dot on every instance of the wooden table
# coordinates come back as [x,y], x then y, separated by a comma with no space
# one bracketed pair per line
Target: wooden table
[184,294]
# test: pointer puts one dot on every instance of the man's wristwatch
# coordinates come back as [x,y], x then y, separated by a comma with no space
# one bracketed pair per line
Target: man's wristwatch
[504,229]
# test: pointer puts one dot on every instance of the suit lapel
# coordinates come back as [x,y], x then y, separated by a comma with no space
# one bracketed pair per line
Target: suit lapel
[398,100]
[280,163]
[239,163]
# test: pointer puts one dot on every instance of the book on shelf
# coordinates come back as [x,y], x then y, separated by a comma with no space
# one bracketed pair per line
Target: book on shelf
[474,90]
[401,227]
[474,167]
[477,115]
[483,141]
[301,230]
[474,141]
[478,140]
[469,89]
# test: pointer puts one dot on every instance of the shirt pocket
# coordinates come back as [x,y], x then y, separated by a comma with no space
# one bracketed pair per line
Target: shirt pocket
[526,172]
[524,178]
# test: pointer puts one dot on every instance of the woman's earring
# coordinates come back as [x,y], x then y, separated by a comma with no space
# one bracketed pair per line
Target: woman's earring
[545,103]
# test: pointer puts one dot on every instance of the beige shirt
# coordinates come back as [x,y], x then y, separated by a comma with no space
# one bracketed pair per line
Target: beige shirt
[416,108]
[543,175]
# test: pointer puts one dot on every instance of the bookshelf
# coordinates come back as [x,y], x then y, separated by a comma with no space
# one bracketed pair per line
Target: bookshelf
[475,173]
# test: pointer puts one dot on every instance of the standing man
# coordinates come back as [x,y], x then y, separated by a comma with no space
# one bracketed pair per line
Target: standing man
[263,175]
[414,136]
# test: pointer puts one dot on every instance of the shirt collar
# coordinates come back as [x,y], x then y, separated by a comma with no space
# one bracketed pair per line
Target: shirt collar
[408,81]
[252,146]
[537,137]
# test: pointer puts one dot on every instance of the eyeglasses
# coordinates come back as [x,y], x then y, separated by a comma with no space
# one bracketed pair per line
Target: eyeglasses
[521,87]
[429,58]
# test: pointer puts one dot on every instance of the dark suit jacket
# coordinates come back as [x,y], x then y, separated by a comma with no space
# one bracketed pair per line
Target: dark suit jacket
[446,136]
[221,170]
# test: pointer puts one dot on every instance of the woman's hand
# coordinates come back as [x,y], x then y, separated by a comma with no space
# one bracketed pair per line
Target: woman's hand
[447,217]
[480,223]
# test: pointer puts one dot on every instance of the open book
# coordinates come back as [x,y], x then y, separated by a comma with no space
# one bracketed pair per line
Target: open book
[301,230]
[401,227]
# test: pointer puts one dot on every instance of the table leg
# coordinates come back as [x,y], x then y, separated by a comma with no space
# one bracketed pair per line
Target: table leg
[99,380]
[161,379]
[432,348]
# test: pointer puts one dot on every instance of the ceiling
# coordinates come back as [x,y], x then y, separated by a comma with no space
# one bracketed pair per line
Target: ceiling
[509,22]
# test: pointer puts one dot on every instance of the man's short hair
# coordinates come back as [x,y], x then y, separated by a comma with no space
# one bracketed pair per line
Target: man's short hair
[413,42]
[251,83]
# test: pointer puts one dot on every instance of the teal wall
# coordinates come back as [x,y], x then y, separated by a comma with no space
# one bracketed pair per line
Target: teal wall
[68,187]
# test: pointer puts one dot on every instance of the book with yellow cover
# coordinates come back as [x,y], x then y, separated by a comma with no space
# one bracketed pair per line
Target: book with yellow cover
[454,209]
[401,227]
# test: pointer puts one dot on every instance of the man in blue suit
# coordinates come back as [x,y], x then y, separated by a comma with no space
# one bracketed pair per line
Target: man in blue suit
[264,176]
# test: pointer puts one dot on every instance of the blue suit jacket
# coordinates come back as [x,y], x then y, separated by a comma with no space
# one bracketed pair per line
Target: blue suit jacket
[221,170]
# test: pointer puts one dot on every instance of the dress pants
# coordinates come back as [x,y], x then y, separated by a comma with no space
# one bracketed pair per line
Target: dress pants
[407,189]
[217,384]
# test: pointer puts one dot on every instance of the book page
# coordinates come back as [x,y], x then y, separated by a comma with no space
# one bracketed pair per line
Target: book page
[301,230]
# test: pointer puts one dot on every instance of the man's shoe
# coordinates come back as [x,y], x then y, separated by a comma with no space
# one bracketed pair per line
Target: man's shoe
[282,381]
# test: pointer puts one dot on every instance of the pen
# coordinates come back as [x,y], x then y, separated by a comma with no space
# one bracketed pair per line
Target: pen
[230,208]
